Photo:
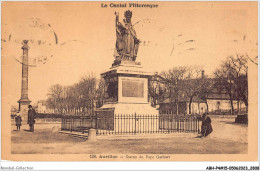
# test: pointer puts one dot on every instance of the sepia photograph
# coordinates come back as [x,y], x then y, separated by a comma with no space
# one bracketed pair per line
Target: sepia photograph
[129,81]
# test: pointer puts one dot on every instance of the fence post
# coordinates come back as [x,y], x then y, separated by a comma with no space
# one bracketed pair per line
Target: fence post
[135,123]
[121,118]
[168,123]
[82,125]
[96,120]
[71,124]
[163,125]
[198,125]
[61,124]
[177,123]
[92,135]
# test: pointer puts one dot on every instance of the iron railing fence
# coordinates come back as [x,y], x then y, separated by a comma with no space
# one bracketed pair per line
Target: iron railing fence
[138,124]
[132,123]
[78,123]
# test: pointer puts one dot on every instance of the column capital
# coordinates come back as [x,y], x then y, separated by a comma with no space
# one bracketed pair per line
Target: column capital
[25,45]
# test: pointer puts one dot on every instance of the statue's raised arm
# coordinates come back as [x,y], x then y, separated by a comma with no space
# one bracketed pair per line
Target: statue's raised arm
[117,17]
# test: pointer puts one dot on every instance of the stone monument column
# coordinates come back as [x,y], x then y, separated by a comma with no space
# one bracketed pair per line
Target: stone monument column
[24,101]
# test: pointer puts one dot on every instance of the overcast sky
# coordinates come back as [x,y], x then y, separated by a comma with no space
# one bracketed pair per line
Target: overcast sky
[78,38]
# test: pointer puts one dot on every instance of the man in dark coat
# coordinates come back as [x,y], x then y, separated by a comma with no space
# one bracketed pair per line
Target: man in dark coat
[31,117]
[206,127]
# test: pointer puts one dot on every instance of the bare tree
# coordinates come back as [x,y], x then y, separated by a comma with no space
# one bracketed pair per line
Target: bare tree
[55,97]
[78,98]
[173,78]
[100,92]
[85,90]
[232,78]
[206,88]
[240,68]
[71,99]
[193,82]
[156,90]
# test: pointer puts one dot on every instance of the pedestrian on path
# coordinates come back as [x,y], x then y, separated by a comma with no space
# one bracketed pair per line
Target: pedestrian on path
[18,121]
[31,117]
[206,127]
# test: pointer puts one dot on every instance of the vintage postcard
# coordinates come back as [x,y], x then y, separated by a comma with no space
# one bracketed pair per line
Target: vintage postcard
[129,81]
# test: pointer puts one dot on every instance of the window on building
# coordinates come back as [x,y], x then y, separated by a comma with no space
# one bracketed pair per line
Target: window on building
[218,105]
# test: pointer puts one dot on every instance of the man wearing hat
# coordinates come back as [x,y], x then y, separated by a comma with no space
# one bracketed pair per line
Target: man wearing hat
[31,117]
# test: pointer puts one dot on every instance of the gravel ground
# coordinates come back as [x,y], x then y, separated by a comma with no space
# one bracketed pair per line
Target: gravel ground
[227,138]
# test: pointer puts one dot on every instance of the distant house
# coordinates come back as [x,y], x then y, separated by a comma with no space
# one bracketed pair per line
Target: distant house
[217,104]
[197,106]
[216,101]
[41,107]
[14,111]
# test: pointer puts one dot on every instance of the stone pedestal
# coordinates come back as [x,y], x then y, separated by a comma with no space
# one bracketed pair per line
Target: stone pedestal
[23,108]
[127,89]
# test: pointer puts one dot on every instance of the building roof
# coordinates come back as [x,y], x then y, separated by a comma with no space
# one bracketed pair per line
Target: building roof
[218,96]
[186,99]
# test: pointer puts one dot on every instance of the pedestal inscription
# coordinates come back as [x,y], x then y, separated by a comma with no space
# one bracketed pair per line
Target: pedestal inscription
[132,89]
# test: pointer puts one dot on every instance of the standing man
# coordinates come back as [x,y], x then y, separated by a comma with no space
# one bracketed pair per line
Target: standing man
[31,117]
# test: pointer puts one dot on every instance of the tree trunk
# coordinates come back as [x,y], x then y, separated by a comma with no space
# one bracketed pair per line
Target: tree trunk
[207,107]
[231,105]
[246,103]
[177,107]
[190,104]
[154,102]
[238,107]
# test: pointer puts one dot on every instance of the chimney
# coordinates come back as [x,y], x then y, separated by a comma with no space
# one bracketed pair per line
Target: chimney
[202,74]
